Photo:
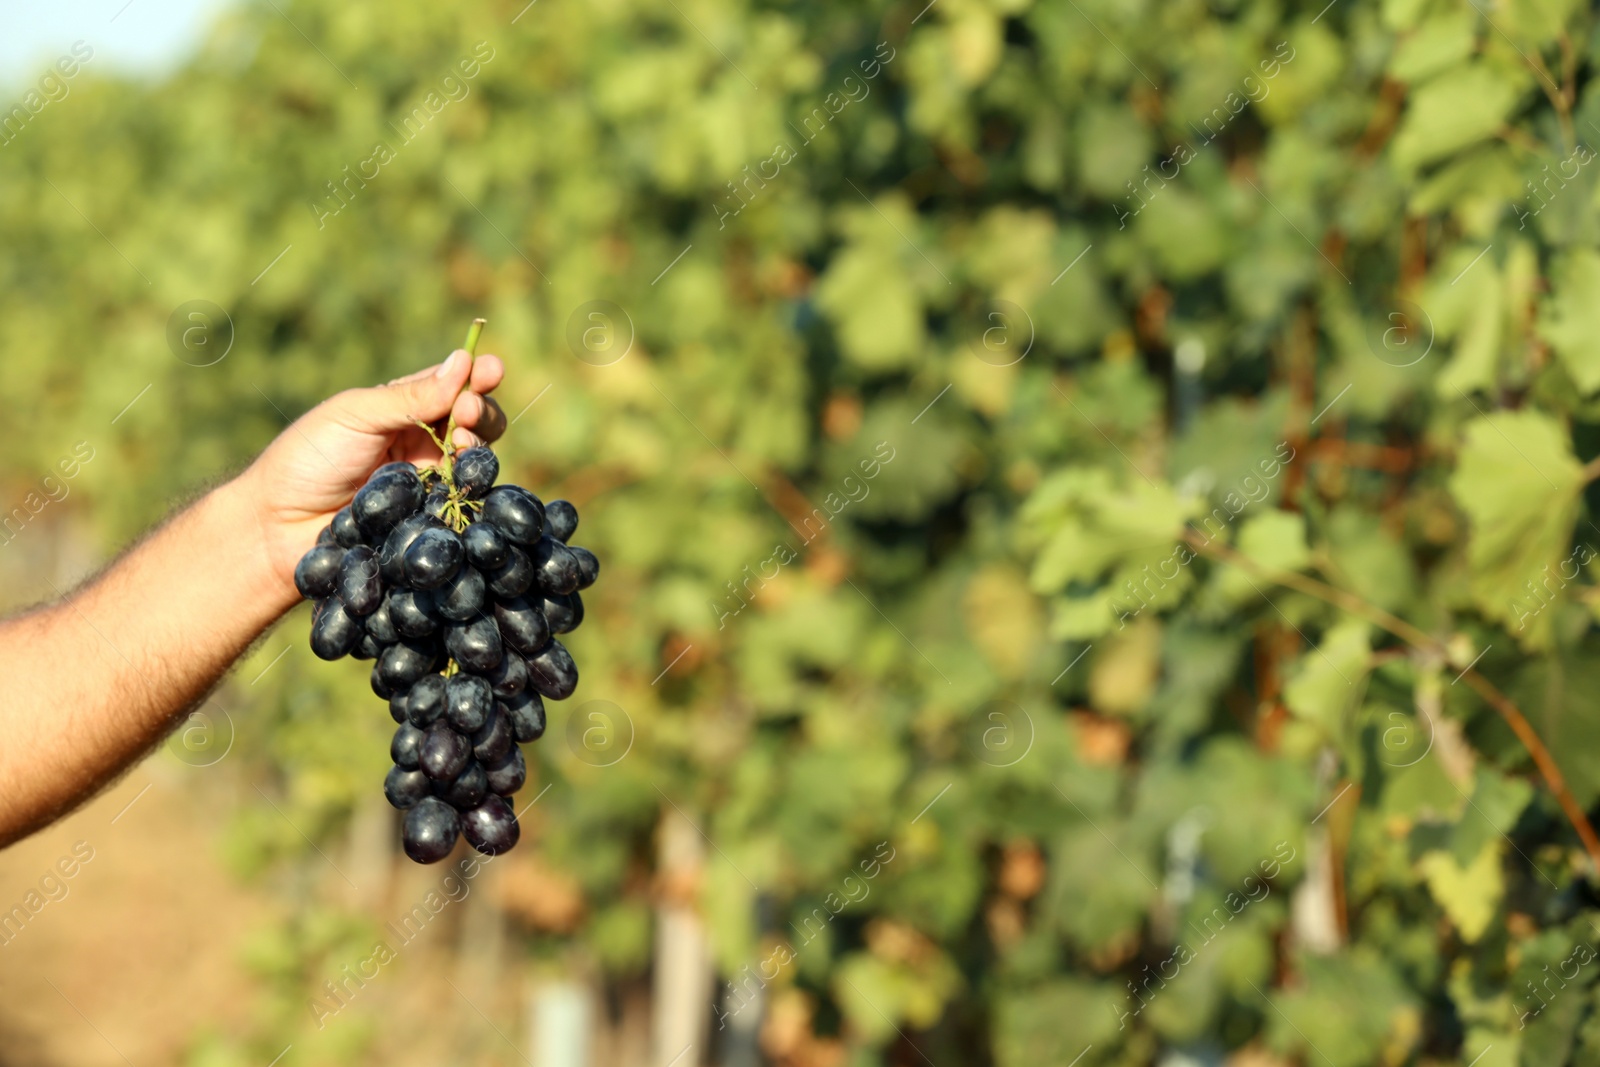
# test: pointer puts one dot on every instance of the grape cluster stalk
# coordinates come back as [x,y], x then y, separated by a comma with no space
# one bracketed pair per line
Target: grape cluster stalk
[456,588]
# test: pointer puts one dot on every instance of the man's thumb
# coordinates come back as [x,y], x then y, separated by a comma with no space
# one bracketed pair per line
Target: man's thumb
[427,395]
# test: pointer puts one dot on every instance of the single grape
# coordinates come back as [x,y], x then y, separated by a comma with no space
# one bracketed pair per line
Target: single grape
[317,573]
[526,714]
[556,566]
[403,787]
[491,827]
[475,471]
[564,613]
[560,520]
[475,645]
[515,578]
[393,492]
[433,558]
[334,631]
[507,774]
[391,558]
[412,611]
[552,671]
[406,746]
[326,538]
[510,677]
[345,529]
[431,829]
[487,547]
[398,466]
[522,624]
[467,790]
[381,688]
[462,597]
[516,512]
[444,752]
[437,500]
[426,700]
[399,710]
[380,624]
[359,585]
[493,738]
[588,565]
[468,702]
[403,664]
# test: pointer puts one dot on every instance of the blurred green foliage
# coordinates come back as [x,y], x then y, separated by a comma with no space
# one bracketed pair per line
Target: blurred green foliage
[1091,270]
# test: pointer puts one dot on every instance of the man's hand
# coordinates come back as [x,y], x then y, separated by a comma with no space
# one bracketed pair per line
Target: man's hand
[315,467]
[100,677]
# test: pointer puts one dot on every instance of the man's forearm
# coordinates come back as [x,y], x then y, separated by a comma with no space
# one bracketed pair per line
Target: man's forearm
[97,678]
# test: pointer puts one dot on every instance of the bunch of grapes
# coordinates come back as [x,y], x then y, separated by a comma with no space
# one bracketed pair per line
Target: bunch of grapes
[456,587]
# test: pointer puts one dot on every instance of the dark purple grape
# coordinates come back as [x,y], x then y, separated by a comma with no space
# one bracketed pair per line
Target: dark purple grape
[326,537]
[345,530]
[399,711]
[425,701]
[507,773]
[526,712]
[412,611]
[368,647]
[359,585]
[391,559]
[564,613]
[404,788]
[317,573]
[552,671]
[588,566]
[380,624]
[334,631]
[494,738]
[475,471]
[467,790]
[431,829]
[560,520]
[403,664]
[475,645]
[487,547]
[444,752]
[392,493]
[434,504]
[399,466]
[468,702]
[516,512]
[522,625]
[515,578]
[462,597]
[555,565]
[406,746]
[491,827]
[433,558]
[510,677]
[380,686]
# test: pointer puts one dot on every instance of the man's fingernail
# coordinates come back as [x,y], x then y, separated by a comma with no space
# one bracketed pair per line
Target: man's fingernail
[447,366]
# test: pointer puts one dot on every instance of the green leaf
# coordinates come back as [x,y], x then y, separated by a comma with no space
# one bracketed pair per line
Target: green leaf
[1570,318]
[1442,40]
[1274,539]
[1518,483]
[1456,109]
[1468,894]
[1055,1022]
[1327,684]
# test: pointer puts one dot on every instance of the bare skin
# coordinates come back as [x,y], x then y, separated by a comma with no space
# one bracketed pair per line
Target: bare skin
[100,676]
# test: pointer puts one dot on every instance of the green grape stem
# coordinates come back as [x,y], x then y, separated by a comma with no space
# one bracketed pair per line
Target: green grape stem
[457,505]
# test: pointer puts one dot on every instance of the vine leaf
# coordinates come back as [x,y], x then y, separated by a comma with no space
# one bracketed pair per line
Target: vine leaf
[1518,483]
